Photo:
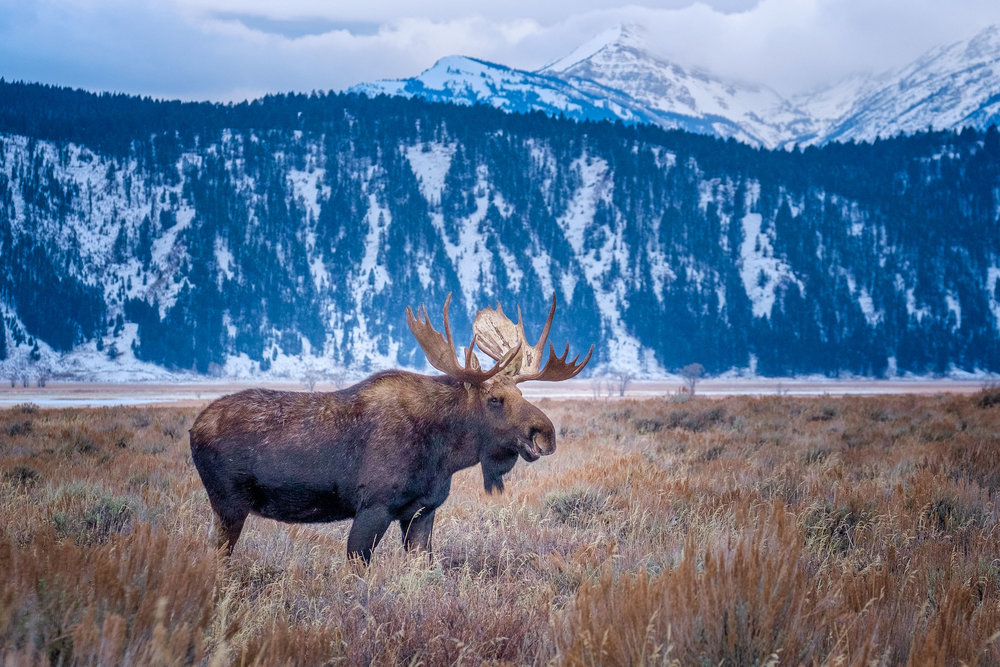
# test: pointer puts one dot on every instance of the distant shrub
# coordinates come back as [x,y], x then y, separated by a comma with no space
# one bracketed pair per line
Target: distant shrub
[948,511]
[711,453]
[141,419]
[938,430]
[21,475]
[831,528]
[824,413]
[648,425]
[82,442]
[172,431]
[19,428]
[624,414]
[574,506]
[90,515]
[696,420]
[988,397]
[816,455]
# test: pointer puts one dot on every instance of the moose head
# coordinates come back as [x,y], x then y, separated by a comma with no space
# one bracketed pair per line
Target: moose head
[510,424]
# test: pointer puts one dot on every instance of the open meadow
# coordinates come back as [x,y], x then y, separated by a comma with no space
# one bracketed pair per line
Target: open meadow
[742,531]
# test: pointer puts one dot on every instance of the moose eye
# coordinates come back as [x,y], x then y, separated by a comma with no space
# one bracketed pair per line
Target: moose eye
[496,401]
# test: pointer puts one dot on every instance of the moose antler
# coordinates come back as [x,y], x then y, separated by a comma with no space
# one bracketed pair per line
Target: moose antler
[440,350]
[498,337]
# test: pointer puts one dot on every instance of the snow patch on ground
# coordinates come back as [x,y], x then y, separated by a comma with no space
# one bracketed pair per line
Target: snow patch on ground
[867,306]
[659,271]
[580,212]
[865,301]
[912,309]
[542,265]
[223,258]
[167,257]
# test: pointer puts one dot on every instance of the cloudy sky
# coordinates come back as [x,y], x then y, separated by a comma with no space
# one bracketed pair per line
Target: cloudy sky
[230,50]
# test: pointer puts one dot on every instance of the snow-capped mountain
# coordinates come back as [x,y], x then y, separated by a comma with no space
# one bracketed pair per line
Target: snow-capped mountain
[949,87]
[675,96]
[615,76]
[466,81]
[610,77]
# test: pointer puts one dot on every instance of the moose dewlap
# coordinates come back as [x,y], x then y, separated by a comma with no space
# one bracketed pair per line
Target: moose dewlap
[385,449]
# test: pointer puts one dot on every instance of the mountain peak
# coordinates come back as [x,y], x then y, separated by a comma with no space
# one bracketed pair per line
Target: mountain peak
[631,35]
[625,35]
[986,44]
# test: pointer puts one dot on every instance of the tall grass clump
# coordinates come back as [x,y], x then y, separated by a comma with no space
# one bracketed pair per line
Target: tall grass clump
[751,600]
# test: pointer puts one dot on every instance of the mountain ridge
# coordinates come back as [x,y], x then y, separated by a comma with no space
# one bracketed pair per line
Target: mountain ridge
[614,76]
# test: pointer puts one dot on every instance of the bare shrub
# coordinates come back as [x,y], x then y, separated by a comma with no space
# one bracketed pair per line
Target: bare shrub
[988,397]
[644,425]
[691,374]
[89,514]
[697,420]
[21,475]
[19,428]
[623,378]
[574,506]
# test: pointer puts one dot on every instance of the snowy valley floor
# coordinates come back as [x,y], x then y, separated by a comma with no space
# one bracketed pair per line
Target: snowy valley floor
[86,394]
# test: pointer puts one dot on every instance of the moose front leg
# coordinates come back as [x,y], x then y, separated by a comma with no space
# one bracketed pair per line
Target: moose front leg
[366,531]
[417,530]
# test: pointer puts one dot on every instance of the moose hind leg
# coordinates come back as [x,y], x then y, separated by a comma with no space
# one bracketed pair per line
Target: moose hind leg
[417,530]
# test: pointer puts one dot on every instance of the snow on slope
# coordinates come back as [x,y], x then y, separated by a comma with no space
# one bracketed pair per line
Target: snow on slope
[585,50]
[614,76]
[760,270]
[677,95]
[467,81]
[597,247]
[948,87]
[430,163]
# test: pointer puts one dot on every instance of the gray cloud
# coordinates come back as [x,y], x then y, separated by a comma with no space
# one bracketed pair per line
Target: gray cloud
[299,27]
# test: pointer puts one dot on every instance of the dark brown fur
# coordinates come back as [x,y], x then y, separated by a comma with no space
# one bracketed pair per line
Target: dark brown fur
[383,450]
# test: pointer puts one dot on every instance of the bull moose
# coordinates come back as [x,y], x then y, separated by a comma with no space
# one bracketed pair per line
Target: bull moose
[386,448]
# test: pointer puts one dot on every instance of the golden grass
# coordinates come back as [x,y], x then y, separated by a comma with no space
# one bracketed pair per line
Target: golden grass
[743,531]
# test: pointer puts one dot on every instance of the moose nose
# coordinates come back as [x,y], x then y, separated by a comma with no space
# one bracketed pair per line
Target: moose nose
[544,440]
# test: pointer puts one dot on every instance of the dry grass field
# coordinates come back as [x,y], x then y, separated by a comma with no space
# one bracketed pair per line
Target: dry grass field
[739,531]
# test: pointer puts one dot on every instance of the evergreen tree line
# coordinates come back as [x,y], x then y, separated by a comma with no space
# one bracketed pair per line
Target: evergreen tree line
[885,247]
